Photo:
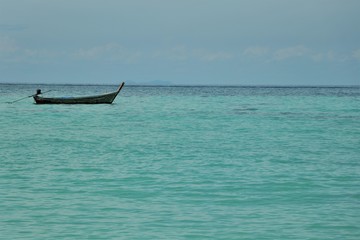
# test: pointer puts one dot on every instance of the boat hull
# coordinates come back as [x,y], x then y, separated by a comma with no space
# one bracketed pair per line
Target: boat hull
[107,98]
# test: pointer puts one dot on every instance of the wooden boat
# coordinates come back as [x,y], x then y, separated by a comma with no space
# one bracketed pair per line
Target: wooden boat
[106,98]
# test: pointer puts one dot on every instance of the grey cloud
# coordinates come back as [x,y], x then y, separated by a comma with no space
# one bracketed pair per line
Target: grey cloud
[13,27]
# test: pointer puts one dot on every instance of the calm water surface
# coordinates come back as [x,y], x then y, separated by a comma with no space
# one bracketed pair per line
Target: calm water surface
[181,163]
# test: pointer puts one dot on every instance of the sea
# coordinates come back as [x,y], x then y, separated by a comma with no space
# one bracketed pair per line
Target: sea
[181,162]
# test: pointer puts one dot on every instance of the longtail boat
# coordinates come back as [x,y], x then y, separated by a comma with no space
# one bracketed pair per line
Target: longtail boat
[106,98]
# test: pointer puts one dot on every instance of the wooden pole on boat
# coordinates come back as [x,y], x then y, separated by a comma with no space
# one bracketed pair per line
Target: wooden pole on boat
[26,97]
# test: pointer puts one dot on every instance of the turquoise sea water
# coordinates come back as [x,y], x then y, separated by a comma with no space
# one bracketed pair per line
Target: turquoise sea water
[181,163]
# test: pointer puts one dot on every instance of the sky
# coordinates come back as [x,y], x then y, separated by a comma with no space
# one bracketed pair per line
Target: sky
[180,42]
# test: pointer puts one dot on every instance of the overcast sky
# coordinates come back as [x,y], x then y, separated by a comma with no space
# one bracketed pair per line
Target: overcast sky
[230,42]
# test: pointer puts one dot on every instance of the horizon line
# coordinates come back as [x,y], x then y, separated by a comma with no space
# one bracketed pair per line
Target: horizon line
[191,85]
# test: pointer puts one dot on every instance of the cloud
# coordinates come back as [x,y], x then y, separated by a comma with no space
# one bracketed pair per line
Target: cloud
[256,51]
[109,51]
[211,56]
[11,52]
[7,45]
[291,52]
[177,53]
[182,53]
[300,51]
[356,54]
[95,52]
[317,57]
[13,27]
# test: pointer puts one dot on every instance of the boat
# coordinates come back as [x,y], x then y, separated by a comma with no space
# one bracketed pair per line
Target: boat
[106,98]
